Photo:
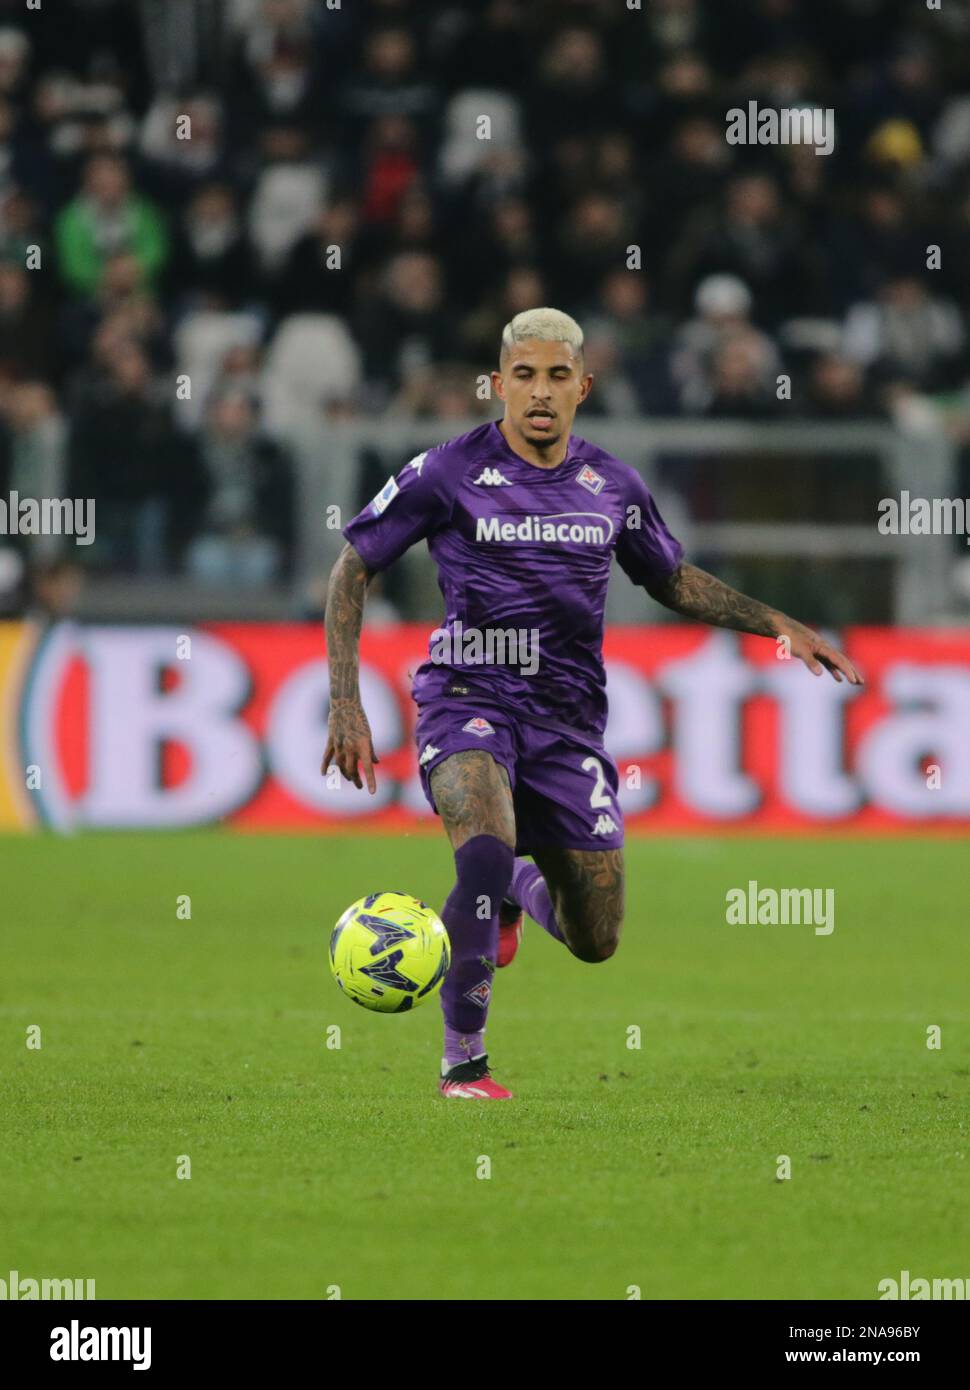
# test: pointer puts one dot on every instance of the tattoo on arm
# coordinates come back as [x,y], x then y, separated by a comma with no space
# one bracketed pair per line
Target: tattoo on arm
[697,594]
[344,616]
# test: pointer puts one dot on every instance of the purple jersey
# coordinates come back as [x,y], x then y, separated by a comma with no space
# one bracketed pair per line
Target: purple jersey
[519,549]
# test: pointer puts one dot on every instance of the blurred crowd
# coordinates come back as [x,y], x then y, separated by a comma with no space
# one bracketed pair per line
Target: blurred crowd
[335,238]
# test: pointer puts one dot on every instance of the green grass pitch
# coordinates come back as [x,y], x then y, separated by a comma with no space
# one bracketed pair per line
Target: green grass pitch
[313,1167]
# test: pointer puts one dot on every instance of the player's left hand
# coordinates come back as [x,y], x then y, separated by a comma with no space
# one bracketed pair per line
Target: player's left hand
[817,654]
[349,744]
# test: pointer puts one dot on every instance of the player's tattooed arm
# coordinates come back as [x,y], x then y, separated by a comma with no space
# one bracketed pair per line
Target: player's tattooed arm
[349,742]
[699,595]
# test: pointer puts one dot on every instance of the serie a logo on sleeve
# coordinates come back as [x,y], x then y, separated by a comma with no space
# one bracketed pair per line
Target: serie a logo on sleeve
[386,496]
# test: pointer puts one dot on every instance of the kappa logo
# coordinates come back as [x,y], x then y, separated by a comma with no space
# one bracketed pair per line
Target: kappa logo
[478,726]
[417,463]
[491,477]
[605,825]
[429,753]
[588,478]
[481,993]
[386,496]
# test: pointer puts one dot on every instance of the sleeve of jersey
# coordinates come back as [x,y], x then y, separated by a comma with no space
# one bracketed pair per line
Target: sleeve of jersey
[646,550]
[408,508]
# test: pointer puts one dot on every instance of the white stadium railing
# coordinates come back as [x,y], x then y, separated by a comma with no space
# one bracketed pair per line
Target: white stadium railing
[328,461]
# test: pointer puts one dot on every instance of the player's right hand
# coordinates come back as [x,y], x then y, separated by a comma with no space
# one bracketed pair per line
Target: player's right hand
[349,744]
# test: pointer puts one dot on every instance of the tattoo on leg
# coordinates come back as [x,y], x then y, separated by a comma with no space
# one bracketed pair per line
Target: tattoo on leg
[473,796]
[587,892]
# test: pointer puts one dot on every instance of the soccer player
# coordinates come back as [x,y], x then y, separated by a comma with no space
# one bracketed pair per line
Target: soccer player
[522,519]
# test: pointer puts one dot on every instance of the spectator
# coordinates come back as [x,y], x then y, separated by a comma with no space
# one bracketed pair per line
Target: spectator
[838,391]
[573,93]
[181,140]
[464,152]
[121,297]
[125,452]
[906,332]
[700,368]
[742,381]
[441,392]
[593,241]
[27,342]
[211,259]
[406,325]
[246,517]
[623,309]
[389,168]
[388,85]
[38,456]
[521,288]
[756,238]
[14,63]
[105,218]
[289,193]
[322,271]
[615,392]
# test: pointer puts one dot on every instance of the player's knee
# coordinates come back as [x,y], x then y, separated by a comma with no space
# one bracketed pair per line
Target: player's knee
[608,946]
[593,952]
[596,944]
[484,867]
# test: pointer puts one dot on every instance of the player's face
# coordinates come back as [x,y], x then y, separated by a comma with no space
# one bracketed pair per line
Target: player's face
[542,384]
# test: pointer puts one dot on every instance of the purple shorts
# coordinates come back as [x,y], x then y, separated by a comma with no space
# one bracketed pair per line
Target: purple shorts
[564,785]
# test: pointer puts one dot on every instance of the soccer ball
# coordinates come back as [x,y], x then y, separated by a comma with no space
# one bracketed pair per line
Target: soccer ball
[389,952]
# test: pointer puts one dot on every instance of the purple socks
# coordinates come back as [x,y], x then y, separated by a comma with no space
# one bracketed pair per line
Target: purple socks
[484,866]
[529,891]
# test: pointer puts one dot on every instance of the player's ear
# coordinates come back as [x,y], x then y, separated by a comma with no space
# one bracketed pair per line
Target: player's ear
[585,388]
[498,386]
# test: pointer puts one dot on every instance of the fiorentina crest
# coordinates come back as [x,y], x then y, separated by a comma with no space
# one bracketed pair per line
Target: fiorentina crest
[478,726]
[481,994]
[588,478]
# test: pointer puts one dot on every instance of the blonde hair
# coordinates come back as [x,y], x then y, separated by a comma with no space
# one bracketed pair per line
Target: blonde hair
[548,325]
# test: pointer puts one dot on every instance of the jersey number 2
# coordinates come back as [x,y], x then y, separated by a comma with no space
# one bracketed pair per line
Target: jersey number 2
[599,797]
